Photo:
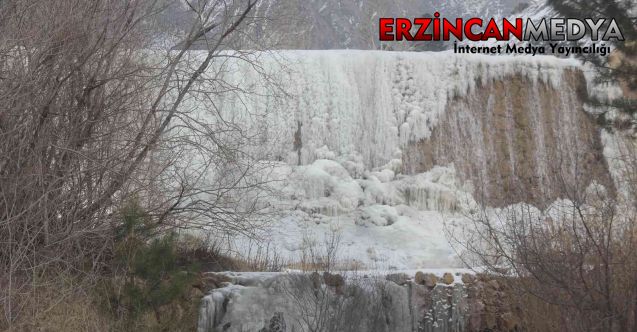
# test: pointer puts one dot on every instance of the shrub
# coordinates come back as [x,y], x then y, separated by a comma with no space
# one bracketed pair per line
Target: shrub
[148,277]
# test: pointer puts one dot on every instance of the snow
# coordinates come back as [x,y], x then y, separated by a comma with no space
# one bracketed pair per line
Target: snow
[396,223]
[337,138]
[336,123]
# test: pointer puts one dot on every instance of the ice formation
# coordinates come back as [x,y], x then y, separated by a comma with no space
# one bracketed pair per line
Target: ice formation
[380,220]
[383,148]
[377,154]
[363,104]
[392,302]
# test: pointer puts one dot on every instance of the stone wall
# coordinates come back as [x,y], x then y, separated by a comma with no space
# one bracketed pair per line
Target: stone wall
[423,302]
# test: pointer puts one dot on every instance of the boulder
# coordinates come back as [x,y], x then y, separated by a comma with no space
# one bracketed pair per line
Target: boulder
[427,279]
[333,280]
[214,280]
[400,279]
[468,278]
[419,278]
[196,293]
[447,278]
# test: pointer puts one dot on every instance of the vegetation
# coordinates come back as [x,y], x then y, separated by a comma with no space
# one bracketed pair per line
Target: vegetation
[147,276]
[573,265]
[620,67]
[94,186]
[88,93]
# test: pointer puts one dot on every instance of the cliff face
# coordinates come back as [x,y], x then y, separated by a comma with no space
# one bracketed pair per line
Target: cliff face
[517,141]
[515,127]
[376,146]
[372,147]
[380,144]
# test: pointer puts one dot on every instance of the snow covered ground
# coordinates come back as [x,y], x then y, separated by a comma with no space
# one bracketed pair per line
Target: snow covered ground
[376,220]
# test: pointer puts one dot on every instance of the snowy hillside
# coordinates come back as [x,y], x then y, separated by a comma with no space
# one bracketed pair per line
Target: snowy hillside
[344,24]
[536,11]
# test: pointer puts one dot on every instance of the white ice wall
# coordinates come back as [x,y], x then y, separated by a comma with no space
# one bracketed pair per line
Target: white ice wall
[363,103]
[357,110]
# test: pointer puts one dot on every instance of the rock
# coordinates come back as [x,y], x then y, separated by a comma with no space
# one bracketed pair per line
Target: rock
[468,278]
[419,278]
[196,293]
[400,279]
[214,280]
[447,278]
[427,279]
[334,280]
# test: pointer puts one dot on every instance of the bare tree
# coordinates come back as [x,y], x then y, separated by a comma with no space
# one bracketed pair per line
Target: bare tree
[93,113]
[577,255]
[352,304]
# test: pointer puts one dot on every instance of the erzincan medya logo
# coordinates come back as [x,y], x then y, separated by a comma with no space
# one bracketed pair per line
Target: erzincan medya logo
[552,30]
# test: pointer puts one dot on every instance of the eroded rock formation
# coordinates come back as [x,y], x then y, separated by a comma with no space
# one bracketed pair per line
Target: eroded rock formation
[517,141]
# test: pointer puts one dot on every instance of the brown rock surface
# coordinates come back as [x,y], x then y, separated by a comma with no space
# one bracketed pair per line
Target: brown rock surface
[514,139]
[398,278]
[468,278]
[333,280]
[447,278]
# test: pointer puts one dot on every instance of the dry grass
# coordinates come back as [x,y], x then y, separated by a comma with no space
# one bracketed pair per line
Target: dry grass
[60,306]
[65,306]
